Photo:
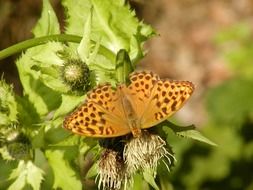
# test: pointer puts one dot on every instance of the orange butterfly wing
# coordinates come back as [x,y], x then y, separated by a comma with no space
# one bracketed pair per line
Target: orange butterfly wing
[101,115]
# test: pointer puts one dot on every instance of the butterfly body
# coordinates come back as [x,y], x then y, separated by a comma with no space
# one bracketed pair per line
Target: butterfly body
[145,102]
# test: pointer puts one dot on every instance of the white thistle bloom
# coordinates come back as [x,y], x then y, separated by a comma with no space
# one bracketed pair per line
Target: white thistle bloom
[111,170]
[144,152]
[117,168]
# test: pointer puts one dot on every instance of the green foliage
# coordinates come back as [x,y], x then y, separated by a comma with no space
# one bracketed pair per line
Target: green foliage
[8,105]
[65,176]
[123,66]
[186,131]
[40,154]
[26,173]
[230,108]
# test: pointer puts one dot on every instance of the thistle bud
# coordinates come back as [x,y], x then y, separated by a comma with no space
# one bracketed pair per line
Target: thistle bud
[19,151]
[18,146]
[76,74]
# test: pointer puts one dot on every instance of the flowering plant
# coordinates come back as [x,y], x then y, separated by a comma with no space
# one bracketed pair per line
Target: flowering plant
[102,42]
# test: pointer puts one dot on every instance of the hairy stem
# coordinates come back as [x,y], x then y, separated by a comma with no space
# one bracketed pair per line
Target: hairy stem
[44,39]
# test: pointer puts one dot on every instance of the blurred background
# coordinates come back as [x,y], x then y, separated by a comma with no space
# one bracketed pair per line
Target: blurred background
[207,42]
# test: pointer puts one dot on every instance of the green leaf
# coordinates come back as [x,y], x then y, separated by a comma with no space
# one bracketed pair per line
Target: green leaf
[65,176]
[196,135]
[187,131]
[51,77]
[93,171]
[111,17]
[117,24]
[47,65]
[32,87]
[69,102]
[34,175]
[48,22]
[34,82]
[114,25]
[85,45]
[144,32]
[56,133]
[148,175]
[70,140]
[26,173]
[139,183]
[19,177]
[76,14]
[28,115]
[35,66]
[38,139]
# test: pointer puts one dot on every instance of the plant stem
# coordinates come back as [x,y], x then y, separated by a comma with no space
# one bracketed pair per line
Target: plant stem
[44,39]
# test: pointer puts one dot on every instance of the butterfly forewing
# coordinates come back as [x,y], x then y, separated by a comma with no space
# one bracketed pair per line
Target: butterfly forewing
[100,116]
[167,97]
[154,100]
[107,98]
[140,90]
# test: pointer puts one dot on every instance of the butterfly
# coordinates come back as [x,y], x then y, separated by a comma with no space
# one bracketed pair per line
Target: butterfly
[145,102]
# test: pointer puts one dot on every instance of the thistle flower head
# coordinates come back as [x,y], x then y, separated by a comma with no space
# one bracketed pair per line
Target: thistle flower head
[19,151]
[16,145]
[144,152]
[117,167]
[111,170]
